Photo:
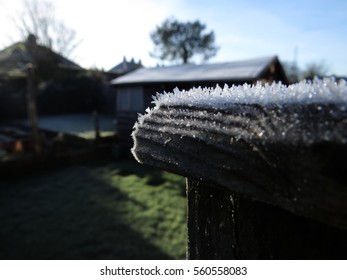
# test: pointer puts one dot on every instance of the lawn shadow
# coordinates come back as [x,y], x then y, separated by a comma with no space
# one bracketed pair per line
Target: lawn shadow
[69,214]
[131,166]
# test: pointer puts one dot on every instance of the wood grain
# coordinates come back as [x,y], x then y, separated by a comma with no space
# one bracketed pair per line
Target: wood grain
[289,156]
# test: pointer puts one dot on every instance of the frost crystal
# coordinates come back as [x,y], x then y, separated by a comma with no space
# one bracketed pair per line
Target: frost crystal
[305,92]
[289,128]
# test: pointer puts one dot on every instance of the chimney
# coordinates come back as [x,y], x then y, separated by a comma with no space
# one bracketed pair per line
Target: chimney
[32,40]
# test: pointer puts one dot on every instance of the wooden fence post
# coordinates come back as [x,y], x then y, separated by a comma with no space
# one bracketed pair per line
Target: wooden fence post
[211,224]
[265,181]
[32,109]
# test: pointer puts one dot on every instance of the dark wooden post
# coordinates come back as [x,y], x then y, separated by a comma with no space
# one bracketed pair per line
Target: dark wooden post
[211,224]
[96,123]
[32,109]
[264,181]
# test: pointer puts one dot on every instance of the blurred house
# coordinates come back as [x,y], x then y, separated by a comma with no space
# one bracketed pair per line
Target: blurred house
[15,58]
[14,61]
[125,67]
[134,90]
[120,69]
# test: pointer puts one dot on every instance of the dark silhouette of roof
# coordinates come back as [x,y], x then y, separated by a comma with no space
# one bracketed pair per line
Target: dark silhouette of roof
[17,56]
[125,67]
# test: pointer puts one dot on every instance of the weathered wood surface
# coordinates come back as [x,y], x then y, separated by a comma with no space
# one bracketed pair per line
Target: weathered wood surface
[289,156]
[211,222]
[223,225]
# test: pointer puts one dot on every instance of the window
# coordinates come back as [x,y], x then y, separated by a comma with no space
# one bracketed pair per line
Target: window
[130,99]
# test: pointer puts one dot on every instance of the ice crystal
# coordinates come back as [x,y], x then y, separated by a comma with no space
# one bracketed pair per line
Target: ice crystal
[317,91]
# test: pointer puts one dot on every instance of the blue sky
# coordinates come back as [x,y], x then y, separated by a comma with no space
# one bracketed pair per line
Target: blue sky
[314,30]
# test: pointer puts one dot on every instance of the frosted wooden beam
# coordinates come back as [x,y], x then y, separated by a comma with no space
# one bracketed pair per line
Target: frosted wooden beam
[285,151]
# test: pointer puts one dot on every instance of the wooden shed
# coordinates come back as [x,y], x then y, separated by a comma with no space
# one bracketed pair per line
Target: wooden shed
[135,90]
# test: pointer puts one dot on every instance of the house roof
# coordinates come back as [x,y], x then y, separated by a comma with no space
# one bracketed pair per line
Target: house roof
[238,70]
[125,67]
[17,56]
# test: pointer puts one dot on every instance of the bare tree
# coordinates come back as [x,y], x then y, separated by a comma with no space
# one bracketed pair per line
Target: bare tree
[311,70]
[293,71]
[314,69]
[38,18]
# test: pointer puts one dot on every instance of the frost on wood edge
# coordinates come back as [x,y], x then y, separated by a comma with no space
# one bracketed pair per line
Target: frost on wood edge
[318,91]
[326,91]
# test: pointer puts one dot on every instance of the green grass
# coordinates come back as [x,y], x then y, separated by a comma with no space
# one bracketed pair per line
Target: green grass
[102,210]
[91,134]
